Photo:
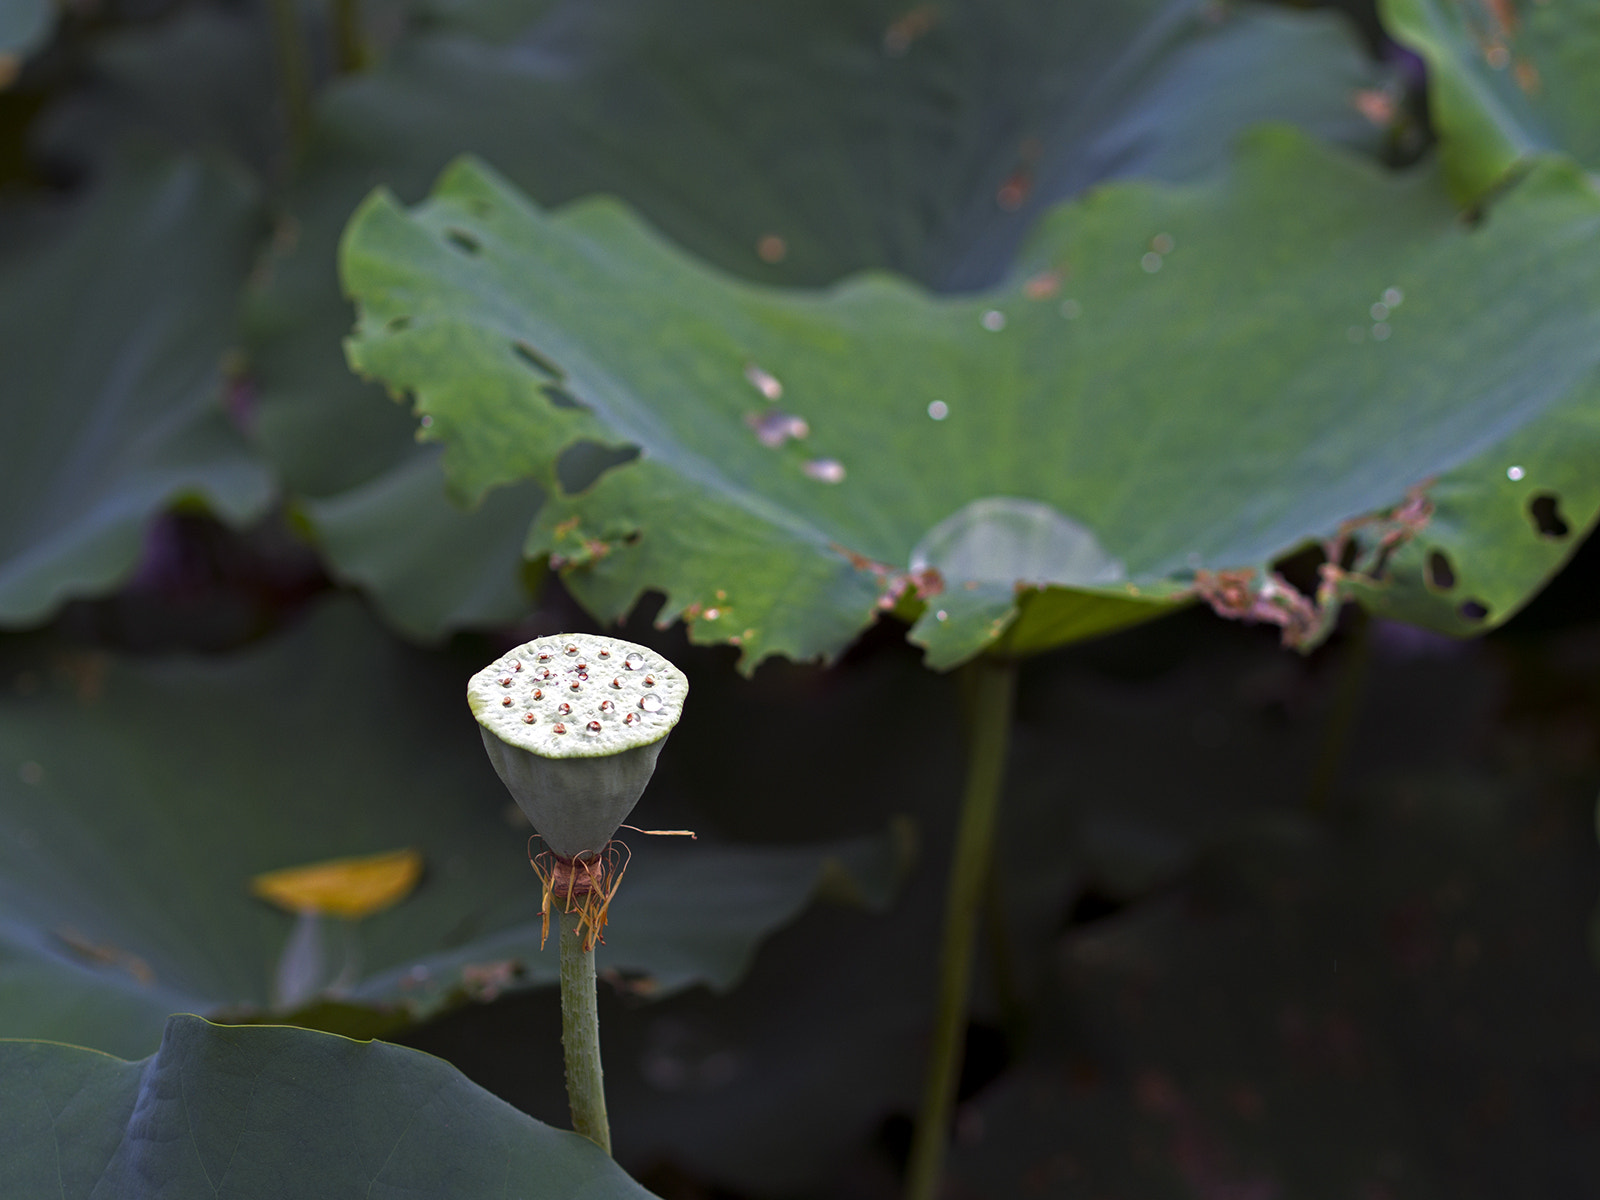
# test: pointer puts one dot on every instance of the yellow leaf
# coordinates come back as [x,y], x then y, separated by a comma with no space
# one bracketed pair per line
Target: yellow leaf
[343,887]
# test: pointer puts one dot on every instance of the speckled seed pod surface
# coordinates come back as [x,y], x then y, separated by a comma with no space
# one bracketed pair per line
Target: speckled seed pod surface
[573,725]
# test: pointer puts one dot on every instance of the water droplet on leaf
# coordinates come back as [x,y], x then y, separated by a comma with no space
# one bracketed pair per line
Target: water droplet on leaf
[994,320]
[764,382]
[633,662]
[938,410]
[650,703]
[827,470]
[1515,473]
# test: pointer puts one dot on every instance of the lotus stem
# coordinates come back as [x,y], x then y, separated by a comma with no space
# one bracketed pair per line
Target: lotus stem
[294,71]
[580,1034]
[990,684]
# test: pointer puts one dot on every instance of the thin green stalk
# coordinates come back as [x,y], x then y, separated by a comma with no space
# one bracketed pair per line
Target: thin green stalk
[580,1036]
[990,684]
[350,45]
[294,70]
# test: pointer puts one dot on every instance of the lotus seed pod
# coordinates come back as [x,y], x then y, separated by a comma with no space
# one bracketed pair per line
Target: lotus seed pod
[578,741]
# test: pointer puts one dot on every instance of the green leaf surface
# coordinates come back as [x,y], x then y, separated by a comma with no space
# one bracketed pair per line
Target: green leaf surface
[219,1112]
[139,798]
[725,129]
[1201,377]
[1506,81]
[113,333]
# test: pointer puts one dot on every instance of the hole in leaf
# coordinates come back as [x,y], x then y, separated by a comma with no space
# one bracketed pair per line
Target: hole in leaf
[561,398]
[396,324]
[535,360]
[1441,576]
[582,463]
[1545,509]
[462,240]
[1474,610]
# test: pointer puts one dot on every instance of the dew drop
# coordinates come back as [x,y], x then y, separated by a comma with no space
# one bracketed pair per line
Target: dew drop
[544,658]
[650,703]
[576,686]
[1379,311]
[528,718]
[1162,243]
[1380,332]
[583,675]
[649,681]
[426,422]
[594,726]
[633,662]
[994,320]
[506,703]
[630,718]
[713,613]
[1392,296]
[516,664]
[1515,473]
[826,470]
[607,706]
[605,654]
[564,709]
[772,248]
[506,682]
[538,694]
[938,410]
[942,615]
[1071,310]
[616,683]
[571,649]
[1498,57]
[775,427]
[560,728]
[764,382]
[1151,263]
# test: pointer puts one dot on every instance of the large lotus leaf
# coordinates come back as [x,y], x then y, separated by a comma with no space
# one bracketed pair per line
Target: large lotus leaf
[139,798]
[219,1112]
[113,334]
[727,128]
[1506,80]
[1174,379]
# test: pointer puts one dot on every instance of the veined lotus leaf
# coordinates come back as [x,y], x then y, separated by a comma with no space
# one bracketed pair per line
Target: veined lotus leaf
[1202,377]
[113,333]
[220,1111]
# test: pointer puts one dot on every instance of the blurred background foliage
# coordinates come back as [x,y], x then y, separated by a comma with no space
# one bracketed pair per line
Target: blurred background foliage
[1262,925]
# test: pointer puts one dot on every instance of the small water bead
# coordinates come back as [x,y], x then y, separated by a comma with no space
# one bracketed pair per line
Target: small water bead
[605,654]
[1151,263]
[616,683]
[994,320]
[506,682]
[506,703]
[544,657]
[633,662]
[764,382]
[528,718]
[649,681]
[516,664]
[1515,473]
[1379,311]
[576,686]
[564,709]
[827,470]
[713,613]
[630,719]
[1380,332]
[571,649]
[942,615]
[1163,243]
[583,675]
[1071,310]
[1393,296]
[560,728]
[650,703]
[594,726]
[607,706]
[938,410]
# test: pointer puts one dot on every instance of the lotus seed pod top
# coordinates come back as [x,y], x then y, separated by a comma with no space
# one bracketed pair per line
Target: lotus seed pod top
[573,725]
